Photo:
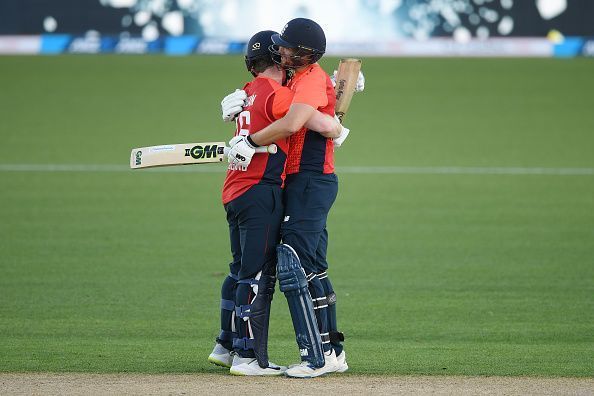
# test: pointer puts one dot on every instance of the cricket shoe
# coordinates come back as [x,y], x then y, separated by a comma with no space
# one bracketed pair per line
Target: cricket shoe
[250,366]
[305,370]
[341,363]
[221,356]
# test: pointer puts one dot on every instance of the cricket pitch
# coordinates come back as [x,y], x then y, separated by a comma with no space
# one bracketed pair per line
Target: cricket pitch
[180,384]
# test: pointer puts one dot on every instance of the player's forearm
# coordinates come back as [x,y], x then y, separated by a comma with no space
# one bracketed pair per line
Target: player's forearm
[292,122]
[324,124]
[279,129]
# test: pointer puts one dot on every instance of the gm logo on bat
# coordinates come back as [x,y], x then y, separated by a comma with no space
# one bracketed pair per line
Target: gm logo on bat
[138,158]
[198,152]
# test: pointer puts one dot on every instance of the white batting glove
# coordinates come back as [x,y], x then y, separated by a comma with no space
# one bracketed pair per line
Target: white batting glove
[360,82]
[360,87]
[241,152]
[232,104]
[338,141]
[235,140]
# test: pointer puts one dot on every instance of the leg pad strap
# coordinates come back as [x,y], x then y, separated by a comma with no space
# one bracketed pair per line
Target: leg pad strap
[243,343]
[321,302]
[243,311]
[228,305]
[226,335]
[248,281]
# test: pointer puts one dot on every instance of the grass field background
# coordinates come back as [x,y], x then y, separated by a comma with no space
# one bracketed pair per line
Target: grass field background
[436,273]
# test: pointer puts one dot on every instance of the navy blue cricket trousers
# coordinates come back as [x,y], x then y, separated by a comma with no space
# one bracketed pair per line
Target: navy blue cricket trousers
[308,197]
[254,229]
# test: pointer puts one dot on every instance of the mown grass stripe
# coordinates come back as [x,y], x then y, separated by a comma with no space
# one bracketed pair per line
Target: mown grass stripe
[432,170]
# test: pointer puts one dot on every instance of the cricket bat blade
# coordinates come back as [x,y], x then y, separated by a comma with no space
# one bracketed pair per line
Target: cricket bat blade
[184,154]
[346,81]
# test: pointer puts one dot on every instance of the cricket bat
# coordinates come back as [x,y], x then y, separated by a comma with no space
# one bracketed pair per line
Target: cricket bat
[184,154]
[346,81]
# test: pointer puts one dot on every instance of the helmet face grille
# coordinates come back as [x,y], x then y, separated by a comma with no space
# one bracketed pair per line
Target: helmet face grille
[301,57]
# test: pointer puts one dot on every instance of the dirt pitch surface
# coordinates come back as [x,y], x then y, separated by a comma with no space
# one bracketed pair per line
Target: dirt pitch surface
[200,384]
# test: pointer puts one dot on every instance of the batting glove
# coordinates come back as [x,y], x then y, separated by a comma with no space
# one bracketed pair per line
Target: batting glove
[360,87]
[241,152]
[235,140]
[233,104]
[360,83]
[338,141]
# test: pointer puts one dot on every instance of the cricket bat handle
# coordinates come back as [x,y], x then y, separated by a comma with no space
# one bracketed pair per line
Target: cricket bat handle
[270,149]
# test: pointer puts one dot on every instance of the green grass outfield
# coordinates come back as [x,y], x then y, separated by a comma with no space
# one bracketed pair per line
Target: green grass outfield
[462,240]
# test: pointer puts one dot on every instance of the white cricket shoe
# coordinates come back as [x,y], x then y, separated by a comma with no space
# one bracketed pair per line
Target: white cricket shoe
[250,366]
[221,356]
[304,370]
[341,363]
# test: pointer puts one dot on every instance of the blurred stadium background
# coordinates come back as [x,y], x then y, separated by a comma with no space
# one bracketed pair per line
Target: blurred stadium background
[354,27]
[467,249]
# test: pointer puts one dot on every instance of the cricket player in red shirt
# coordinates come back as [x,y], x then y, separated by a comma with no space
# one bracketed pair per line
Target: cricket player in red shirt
[311,188]
[252,198]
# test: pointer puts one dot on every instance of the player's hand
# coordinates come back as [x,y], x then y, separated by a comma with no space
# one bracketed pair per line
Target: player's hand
[241,152]
[360,87]
[235,140]
[338,141]
[232,104]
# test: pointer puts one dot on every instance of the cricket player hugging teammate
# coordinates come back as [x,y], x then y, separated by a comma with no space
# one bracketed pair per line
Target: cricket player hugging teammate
[290,102]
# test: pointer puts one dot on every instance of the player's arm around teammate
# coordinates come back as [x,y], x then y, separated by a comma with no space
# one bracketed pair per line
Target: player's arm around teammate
[294,116]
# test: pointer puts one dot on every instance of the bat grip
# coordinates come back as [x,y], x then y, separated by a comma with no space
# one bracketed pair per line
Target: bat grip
[270,149]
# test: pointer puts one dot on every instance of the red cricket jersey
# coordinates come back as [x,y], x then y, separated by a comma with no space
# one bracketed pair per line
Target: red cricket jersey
[308,150]
[267,102]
